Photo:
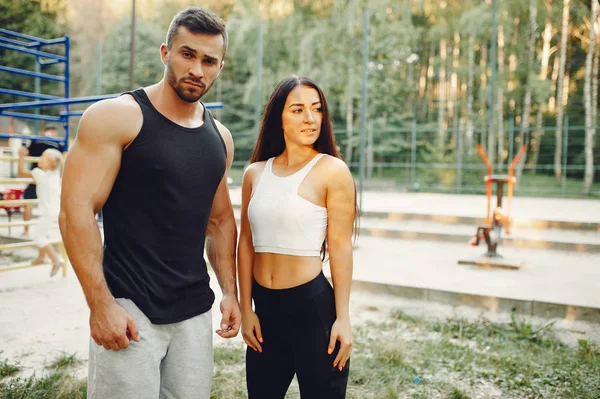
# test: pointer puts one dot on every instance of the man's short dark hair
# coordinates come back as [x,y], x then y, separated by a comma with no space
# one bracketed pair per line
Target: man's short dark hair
[197,20]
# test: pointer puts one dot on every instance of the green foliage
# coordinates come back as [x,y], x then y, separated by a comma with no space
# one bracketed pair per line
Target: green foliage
[148,67]
[28,17]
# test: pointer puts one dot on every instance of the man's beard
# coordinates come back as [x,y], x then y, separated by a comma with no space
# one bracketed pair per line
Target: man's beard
[184,91]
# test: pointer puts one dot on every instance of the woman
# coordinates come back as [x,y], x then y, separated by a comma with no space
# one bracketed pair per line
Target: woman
[298,202]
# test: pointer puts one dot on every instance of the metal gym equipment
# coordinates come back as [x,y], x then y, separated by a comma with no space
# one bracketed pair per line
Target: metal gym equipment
[497,221]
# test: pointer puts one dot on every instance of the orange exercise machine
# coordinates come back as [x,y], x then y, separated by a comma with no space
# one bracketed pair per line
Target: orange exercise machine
[497,222]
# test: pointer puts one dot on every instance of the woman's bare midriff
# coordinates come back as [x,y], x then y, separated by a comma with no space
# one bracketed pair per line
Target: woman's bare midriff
[277,271]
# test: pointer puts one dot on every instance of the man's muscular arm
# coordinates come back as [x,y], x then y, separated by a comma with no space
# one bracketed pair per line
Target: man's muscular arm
[90,171]
[221,239]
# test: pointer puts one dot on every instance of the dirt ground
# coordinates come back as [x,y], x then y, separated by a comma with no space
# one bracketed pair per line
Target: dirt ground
[43,318]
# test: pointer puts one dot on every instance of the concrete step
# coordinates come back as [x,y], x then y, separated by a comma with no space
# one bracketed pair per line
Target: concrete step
[551,238]
[537,213]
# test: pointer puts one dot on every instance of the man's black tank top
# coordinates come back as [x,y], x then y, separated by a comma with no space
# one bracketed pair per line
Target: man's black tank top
[156,216]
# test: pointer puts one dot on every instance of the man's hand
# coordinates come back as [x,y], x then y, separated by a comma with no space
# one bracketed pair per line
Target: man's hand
[231,319]
[23,151]
[112,327]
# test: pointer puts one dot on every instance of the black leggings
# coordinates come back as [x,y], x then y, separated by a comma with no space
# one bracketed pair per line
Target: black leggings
[295,323]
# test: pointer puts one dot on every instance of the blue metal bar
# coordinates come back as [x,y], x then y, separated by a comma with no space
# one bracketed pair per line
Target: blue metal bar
[30,73]
[76,100]
[32,138]
[59,101]
[34,117]
[34,52]
[71,113]
[67,91]
[18,42]
[27,94]
[50,42]
[48,62]
[28,37]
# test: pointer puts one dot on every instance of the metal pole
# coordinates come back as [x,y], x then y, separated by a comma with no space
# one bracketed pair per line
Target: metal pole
[259,62]
[363,117]
[565,150]
[67,89]
[132,49]
[492,102]
[459,155]
[98,68]
[413,153]
[38,90]
[511,140]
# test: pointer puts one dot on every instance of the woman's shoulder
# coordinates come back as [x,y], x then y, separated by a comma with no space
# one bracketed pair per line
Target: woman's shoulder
[333,166]
[254,169]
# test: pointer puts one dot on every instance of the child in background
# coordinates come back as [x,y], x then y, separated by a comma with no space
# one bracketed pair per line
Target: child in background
[47,180]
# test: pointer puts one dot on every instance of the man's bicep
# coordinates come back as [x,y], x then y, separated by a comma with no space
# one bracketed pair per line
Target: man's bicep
[91,166]
[228,140]
[221,207]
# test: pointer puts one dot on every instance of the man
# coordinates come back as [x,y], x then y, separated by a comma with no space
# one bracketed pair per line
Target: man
[36,149]
[156,162]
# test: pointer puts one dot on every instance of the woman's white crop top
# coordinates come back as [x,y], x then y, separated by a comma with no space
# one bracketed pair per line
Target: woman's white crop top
[281,221]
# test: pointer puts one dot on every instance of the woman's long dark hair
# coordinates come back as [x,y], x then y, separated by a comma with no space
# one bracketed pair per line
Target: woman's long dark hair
[271,143]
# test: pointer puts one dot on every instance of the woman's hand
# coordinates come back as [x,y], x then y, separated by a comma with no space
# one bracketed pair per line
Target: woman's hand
[341,331]
[251,330]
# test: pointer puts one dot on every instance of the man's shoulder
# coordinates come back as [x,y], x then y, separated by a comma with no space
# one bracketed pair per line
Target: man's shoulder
[222,128]
[118,106]
[119,116]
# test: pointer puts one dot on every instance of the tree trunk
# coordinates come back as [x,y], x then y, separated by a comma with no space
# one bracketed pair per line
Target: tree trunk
[422,86]
[535,144]
[454,78]
[530,77]
[442,97]
[370,150]
[470,78]
[482,99]
[560,94]
[500,99]
[555,68]
[595,67]
[590,125]
[349,127]
[428,99]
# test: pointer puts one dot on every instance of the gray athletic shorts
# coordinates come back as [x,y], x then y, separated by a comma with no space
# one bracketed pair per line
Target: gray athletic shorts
[170,361]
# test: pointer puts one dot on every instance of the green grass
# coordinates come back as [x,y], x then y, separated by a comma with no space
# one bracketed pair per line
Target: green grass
[59,383]
[52,386]
[454,358]
[8,369]
[64,362]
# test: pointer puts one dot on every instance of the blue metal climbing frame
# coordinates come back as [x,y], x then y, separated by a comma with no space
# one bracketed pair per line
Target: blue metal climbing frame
[31,45]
